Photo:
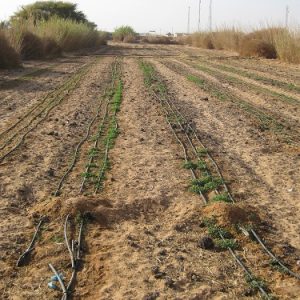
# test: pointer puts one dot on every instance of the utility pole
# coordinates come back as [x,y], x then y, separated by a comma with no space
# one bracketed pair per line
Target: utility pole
[287,12]
[210,16]
[189,19]
[199,15]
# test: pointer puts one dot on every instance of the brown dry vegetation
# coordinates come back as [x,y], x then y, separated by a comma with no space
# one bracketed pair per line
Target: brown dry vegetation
[271,42]
[9,58]
[46,39]
[163,40]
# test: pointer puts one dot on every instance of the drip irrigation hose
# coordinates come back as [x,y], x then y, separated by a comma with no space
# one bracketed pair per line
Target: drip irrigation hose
[32,120]
[247,272]
[60,281]
[77,151]
[68,243]
[31,245]
[237,259]
[180,142]
[40,103]
[95,146]
[277,260]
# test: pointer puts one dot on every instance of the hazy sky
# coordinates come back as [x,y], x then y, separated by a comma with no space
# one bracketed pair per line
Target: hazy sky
[168,15]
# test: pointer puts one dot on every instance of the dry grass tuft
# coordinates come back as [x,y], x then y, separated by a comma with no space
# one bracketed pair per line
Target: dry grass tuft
[287,45]
[257,48]
[32,46]
[9,58]
[51,48]
[124,34]
[272,42]
[162,40]
[130,38]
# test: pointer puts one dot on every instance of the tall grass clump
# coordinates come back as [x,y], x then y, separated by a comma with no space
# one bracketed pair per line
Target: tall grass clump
[124,34]
[260,43]
[270,42]
[9,57]
[69,34]
[159,40]
[287,44]
[223,39]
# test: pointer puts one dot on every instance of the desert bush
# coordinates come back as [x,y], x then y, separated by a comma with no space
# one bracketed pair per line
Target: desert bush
[69,34]
[103,37]
[130,38]
[9,57]
[163,40]
[257,48]
[271,42]
[287,44]
[227,39]
[31,46]
[123,32]
[223,39]
[45,10]
[50,48]
[260,43]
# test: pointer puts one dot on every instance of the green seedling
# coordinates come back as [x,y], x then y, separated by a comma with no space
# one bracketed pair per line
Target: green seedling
[189,165]
[202,152]
[222,198]
[214,230]
[255,282]
[276,266]
[227,243]
[201,165]
[57,239]
[205,184]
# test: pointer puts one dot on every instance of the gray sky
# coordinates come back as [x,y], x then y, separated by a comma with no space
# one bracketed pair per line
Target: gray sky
[165,15]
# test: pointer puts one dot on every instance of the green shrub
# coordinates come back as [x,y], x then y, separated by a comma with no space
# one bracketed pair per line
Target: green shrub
[123,33]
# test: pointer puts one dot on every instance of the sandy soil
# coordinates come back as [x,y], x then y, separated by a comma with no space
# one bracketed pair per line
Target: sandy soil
[142,241]
[19,94]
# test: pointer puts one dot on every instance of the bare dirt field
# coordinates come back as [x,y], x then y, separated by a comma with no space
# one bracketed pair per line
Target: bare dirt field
[150,172]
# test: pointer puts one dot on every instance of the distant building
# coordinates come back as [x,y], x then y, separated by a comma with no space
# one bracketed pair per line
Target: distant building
[179,34]
[152,32]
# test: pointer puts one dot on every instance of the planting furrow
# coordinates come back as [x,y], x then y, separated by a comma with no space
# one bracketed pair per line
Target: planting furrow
[227,76]
[142,202]
[281,71]
[46,152]
[287,76]
[210,189]
[261,78]
[14,136]
[91,154]
[7,84]
[107,132]
[17,101]
[266,119]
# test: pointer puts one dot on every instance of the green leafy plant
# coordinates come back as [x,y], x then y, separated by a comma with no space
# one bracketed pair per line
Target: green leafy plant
[205,184]
[214,230]
[189,165]
[123,33]
[227,243]
[222,198]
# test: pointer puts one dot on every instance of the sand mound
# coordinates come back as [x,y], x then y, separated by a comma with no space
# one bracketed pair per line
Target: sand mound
[231,214]
[98,210]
